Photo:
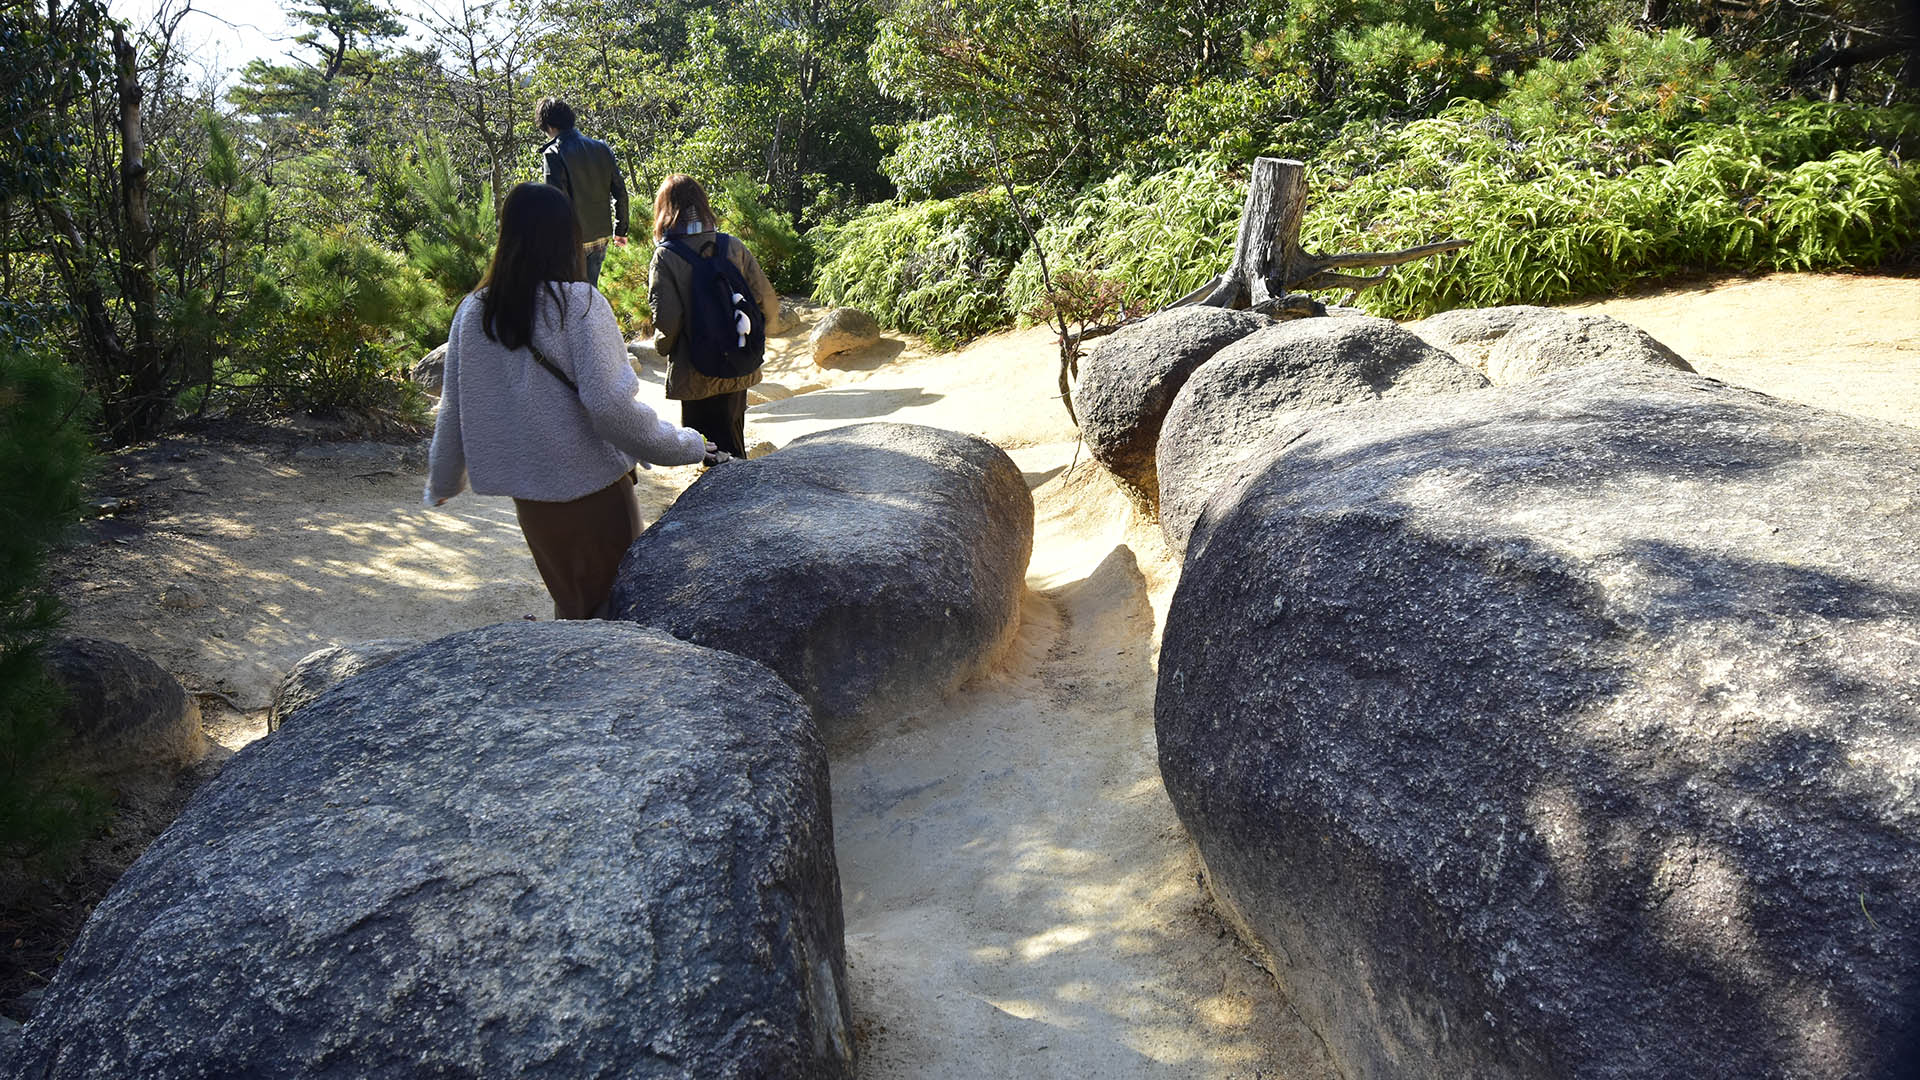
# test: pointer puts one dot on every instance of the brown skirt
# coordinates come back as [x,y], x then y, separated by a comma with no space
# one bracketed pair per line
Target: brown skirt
[578,545]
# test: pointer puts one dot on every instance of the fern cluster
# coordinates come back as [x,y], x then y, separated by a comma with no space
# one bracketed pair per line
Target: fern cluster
[938,269]
[1554,209]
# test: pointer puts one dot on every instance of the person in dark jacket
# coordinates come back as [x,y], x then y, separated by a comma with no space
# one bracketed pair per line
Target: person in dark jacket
[590,175]
[715,407]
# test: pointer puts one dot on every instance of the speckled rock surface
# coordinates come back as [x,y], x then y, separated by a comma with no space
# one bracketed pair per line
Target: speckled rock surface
[1255,386]
[1470,333]
[1535,348]
[1512,344]
[873,567]
[430,371]
[1566,730]
[842,330]
[532,850]
[1128,380]
[323,669]
[123,714]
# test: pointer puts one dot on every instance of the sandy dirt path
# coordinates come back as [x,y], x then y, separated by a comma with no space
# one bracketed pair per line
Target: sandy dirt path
[1020,900]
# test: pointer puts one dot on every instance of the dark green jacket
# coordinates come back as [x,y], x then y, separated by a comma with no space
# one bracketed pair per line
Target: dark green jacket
[590,175]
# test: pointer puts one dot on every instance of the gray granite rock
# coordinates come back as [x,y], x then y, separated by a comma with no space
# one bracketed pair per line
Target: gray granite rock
[1128,380]
[124,715]
[874,567]
[429,372]
[843,330]
[541,850]
[1565,730]
[1469,334]
[786,319]
[1509,344]
[1256,385]
[322,669]
[1539,346]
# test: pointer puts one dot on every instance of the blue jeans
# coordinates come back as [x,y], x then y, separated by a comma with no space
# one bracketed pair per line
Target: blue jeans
[596,255]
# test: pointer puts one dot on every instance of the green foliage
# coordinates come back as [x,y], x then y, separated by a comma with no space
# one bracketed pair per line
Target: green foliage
[623,281]
[337,324]
[453,240]
[1160,236]
[938,269]
[1633,82]
[769,234]
[1555,216]
[43,458]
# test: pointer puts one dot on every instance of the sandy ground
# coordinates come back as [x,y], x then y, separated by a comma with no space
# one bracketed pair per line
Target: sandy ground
[1020,900]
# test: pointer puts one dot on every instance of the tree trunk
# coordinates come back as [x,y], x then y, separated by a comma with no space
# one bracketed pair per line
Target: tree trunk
[146,395]
[1269,268]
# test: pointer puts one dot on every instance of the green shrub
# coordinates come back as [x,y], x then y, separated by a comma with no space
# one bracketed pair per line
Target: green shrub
[453,241]
[1558,216]
[1634,84]
[43,459]
[623,281]
[937,269]
[769,234]
[336,323]
[1160,237]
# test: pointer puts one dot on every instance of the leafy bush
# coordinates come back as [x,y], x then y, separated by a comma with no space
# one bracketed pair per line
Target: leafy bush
[768,233]
[1553,214]
[623,281]
[937,269]
[453,240]
[337,322]
[1556,216]
[43,458]
[1160,237]
[1633,82]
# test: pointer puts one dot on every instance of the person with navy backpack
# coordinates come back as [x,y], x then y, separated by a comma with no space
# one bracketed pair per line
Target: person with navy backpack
[711,304]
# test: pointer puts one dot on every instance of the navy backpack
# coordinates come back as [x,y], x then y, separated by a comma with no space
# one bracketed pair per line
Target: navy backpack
[719,304]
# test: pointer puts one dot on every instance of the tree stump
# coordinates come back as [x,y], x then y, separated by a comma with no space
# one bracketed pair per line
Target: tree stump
[1270,270]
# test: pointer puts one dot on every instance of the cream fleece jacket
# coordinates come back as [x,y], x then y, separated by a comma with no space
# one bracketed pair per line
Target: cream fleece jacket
[509,427]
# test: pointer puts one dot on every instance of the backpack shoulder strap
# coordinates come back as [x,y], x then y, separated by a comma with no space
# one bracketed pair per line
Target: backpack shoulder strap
[679,247]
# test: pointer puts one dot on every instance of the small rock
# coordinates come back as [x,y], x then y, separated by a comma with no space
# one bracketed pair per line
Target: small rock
[760,449]
[183,596]
[784,320]
[124,715]
[642,355]
[429,371]
[843,330]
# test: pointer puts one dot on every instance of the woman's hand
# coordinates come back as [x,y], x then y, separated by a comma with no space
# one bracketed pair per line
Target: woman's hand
[714,456]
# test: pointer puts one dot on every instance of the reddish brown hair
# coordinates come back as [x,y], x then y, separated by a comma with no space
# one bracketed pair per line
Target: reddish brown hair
[681,199]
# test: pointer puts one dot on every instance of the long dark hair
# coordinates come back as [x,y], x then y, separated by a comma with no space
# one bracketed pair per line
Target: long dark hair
[539,245]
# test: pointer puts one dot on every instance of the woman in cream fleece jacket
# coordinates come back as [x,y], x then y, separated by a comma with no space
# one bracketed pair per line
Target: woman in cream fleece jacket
[561,440]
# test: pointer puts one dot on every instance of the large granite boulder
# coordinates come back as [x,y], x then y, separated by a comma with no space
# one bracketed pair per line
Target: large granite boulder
[323,669]
[1470,333]
[843,330]
[1256,385]
[1536,348]
[1567,730]
[873,567]
[430,371]
[556,849]
[124,716]
[1128,380]
[1510,344]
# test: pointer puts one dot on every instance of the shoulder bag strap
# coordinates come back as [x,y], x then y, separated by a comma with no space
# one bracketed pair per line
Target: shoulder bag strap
[553,367]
